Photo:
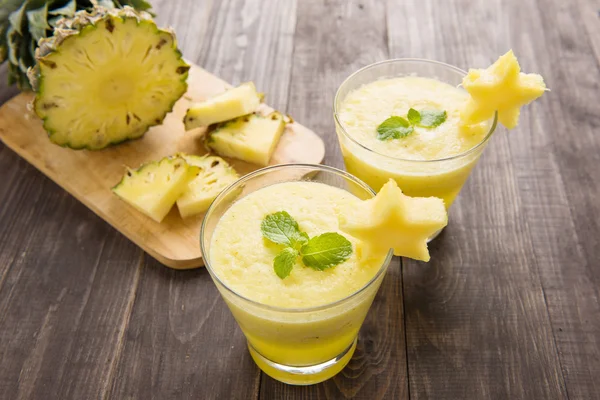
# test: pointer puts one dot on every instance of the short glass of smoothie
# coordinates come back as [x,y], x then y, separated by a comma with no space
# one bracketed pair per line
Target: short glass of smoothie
[429,161]
[301,329]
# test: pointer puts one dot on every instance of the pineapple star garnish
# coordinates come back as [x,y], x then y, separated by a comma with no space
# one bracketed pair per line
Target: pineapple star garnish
[392,220]
[501,87]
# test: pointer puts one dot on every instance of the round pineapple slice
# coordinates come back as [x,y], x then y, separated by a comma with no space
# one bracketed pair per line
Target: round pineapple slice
[105,77]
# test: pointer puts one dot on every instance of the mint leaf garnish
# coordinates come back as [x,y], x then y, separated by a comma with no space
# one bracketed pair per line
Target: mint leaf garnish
[397,127]
[393,128]
[320,252]
[325,251]
[414,117]
[432,118]
[284,262]
[281,228]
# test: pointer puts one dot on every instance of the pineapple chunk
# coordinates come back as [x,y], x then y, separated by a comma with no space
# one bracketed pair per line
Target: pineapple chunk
[392,220]
[501,87]
[153,188]
[215,175]
[234,103]
[250,138]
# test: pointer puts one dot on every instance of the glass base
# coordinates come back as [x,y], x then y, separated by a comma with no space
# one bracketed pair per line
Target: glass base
[307,375]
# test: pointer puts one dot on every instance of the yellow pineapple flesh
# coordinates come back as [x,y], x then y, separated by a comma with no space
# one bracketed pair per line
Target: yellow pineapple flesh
[502,87]
[154,188]
[106,77]
[215,175]
[392,220]
[234,103]
[252,138]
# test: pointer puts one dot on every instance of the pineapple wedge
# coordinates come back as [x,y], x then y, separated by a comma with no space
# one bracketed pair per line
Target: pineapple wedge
[215,175]
[153,188]
[234,103]
[392,220]
[250,138]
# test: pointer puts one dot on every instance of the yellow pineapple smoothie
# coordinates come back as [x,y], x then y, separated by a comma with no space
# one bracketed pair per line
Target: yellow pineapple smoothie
[430,161]
[301,329]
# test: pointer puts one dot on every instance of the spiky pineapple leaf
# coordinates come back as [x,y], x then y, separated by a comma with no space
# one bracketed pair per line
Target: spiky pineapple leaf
[13,45]
[38,22]
[141,5]
[68,10]
[25,58]
[106,4]
[16,18]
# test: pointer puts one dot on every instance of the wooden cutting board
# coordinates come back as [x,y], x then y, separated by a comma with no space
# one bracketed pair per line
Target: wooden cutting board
[89,175]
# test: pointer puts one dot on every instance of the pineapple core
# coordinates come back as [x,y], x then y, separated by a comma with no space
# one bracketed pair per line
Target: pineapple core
[392,220]
[501,87]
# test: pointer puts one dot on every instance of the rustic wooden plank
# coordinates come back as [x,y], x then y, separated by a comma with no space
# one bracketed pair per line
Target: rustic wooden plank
[589,14]
[557,164]
[477,325]
[64,284]
[332,40]
[182,341]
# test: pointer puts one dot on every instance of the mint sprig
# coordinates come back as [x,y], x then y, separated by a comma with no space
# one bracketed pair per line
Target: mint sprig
[398,127]
[326,250]
[284,262]
[394,128]
[431,118]
[319,252]
[281,228]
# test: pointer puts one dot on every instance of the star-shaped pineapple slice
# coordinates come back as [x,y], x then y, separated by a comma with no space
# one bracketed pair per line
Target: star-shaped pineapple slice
[501,87]
[392,220]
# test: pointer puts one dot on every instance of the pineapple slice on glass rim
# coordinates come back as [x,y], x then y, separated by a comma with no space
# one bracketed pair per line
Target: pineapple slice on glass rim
[106,76]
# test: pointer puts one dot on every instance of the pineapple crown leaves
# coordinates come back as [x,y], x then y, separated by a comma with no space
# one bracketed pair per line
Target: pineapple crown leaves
[23,23]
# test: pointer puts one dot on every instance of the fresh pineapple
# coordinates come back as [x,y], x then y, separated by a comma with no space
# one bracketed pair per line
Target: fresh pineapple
[24,22]
[502,87]
[250,138]
[392,220]
[234,103]
[153,188]
[215,175]
[106,76]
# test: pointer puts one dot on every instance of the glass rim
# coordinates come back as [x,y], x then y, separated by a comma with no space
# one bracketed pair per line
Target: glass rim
[408,60]
[262,171]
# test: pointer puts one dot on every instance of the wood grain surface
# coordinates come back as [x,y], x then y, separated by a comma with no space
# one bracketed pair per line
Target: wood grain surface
[508,308]
[90,175]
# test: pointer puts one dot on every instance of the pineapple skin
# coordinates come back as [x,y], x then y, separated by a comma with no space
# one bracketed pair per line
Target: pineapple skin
[226,106]
[170,190]
[85,23]
[215,175]
[252,138]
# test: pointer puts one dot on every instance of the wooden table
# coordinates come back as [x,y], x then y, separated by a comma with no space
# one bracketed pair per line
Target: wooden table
[508,308]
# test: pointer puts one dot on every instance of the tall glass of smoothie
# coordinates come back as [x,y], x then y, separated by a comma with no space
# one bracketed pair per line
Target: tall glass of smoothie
[430,161]
[301,329]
